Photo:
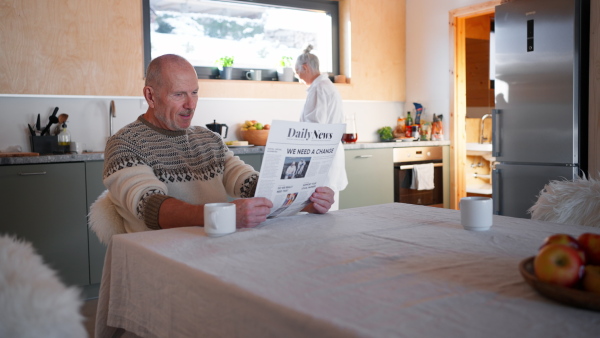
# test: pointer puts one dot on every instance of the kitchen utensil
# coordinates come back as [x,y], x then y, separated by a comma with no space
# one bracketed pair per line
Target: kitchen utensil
[111,115]
[18,154]
[218,128]
[31,129]
[62,118]
[37,124]
[52,120]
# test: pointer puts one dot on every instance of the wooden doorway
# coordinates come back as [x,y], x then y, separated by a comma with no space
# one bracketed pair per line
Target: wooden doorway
[458,94]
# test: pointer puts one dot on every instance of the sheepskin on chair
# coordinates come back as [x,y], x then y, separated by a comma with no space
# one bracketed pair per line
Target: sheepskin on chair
[569,202]
[104,219]
[33,301]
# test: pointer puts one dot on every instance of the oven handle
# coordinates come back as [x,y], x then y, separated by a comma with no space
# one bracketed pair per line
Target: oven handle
[405,167]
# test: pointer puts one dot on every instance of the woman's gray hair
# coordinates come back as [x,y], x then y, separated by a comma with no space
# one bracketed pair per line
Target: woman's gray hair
[309,59]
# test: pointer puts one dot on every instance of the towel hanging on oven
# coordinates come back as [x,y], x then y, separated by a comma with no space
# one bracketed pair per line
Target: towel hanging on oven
[422,178]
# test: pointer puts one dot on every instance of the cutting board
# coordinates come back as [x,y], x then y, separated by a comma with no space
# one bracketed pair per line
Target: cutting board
[18,154]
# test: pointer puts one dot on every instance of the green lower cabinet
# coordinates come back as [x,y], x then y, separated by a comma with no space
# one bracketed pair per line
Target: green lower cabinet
[370,178]
[45,204]
[96,250]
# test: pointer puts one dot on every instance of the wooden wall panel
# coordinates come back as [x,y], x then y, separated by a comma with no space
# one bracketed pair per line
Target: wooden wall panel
[91,47]
[71,47]
[479,93]
[378,49]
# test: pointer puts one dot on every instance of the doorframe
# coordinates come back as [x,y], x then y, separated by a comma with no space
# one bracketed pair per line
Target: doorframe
[458,95]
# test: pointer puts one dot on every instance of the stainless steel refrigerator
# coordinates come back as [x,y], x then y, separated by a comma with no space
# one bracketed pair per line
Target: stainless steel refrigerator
[541,87]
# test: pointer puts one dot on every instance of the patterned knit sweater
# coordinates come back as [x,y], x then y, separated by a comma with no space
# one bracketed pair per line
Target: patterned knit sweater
[144,165]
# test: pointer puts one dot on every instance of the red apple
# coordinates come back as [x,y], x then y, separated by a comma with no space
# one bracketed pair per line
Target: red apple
[591,278]
[565,239]
[590,244]
[558,264]
[561,239]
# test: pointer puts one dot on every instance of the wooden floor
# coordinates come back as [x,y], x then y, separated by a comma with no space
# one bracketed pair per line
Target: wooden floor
[88,310]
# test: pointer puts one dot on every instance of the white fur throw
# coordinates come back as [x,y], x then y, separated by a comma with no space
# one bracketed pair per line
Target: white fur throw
[569,202]
[104,219]
[33,301]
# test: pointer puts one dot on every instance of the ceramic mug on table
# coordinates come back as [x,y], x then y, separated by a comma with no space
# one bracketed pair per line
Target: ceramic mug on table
[219,219]
[476,213]
[255,75]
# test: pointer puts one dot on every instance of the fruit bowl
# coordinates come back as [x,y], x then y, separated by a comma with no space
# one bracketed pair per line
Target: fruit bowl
[569,296]
[255,137]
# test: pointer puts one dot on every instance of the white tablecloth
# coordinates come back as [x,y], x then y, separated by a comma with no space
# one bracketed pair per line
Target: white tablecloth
[393,270]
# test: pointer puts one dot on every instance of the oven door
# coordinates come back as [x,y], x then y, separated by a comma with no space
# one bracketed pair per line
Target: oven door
[403,175]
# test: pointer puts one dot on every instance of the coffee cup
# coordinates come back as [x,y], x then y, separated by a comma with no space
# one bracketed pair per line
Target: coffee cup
[76,147]
[476,213]
[219,219]
[255,75]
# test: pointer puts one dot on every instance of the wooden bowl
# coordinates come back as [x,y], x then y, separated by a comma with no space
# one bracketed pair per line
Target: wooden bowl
[569,296]
[255,137]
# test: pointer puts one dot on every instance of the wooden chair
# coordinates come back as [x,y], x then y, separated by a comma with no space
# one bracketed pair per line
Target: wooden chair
[569,202]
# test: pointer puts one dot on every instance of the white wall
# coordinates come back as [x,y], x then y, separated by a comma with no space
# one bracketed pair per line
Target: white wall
[428,54]
[427,82]
[88,116]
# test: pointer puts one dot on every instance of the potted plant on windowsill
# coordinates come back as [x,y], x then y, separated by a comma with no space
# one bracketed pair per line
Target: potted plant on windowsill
[286,72]
[226,62]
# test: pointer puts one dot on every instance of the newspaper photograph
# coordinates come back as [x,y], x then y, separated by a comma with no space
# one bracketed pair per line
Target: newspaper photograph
[296,161]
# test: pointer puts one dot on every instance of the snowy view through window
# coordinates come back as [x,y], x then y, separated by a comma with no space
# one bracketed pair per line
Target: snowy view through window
[257,36]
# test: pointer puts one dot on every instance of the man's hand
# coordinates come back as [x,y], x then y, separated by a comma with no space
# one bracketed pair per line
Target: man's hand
[321,199]
[250,212]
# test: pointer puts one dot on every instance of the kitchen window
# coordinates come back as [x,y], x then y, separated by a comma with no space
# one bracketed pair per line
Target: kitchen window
[257,33]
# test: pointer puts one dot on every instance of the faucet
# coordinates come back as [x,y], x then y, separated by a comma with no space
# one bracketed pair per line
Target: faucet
[112,114]
[481,139]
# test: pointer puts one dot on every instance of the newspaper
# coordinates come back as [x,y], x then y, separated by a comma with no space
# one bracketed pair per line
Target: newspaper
[296,161]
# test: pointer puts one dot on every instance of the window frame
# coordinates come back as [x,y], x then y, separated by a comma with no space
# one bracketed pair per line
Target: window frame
[204,72]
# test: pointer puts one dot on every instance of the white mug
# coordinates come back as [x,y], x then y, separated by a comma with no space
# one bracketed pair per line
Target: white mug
[255,75]
[219,219]
[76,147]
[476,213]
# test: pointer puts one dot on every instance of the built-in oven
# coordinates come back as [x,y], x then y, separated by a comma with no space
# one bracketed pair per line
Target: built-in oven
[405,160]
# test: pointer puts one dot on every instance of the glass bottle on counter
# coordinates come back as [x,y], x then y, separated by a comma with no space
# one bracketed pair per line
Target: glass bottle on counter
[64,137]
[408,125]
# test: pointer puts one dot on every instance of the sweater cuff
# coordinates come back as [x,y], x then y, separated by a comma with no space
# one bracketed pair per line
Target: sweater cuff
[151,211]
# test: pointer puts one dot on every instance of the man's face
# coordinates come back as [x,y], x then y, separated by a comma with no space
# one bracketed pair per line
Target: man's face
[176,99]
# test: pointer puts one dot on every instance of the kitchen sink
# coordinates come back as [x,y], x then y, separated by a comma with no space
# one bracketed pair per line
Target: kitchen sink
[480,149]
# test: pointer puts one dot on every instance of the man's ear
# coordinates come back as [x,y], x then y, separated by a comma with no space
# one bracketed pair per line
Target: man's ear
[149,96]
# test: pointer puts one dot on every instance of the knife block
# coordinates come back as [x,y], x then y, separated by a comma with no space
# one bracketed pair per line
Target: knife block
[45,145]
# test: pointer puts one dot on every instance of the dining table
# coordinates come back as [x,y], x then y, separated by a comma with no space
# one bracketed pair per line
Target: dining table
[389,270]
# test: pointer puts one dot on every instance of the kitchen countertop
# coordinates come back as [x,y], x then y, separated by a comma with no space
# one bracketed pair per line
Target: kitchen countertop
[99,156]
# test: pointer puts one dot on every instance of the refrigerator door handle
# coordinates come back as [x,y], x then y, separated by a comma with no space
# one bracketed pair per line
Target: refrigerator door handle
[496,133]
[496,191]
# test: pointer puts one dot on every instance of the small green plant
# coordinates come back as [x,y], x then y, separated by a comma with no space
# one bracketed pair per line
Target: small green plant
[225,61]
[286,61]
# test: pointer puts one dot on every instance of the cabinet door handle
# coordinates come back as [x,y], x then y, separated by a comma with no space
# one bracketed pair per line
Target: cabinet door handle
[363,156]
[30,174]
